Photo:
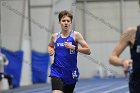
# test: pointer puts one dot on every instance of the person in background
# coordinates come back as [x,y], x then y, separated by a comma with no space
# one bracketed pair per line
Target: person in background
[130,38]
[64,46]
[4,62]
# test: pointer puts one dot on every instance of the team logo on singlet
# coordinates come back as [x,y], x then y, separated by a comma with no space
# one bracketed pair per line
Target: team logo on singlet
[60,44]
[138,49]
[74,74]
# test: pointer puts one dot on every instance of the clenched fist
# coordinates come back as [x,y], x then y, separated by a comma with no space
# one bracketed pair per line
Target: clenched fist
[51,52]
[69,45]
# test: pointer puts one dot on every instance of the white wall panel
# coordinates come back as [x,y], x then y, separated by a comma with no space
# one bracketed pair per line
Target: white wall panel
[11,20]
[102,21]
[131,14]
[40,28]
[41,2]
[99,60]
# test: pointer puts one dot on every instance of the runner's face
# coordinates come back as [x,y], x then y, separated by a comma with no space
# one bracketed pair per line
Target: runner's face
[65,23]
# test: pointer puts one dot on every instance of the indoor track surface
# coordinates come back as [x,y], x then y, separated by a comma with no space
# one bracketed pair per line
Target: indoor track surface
[94,85]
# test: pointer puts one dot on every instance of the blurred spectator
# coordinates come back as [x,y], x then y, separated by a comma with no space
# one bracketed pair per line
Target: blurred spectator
[4,62]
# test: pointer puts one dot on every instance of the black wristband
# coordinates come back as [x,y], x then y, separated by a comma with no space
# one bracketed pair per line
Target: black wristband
[76,48]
